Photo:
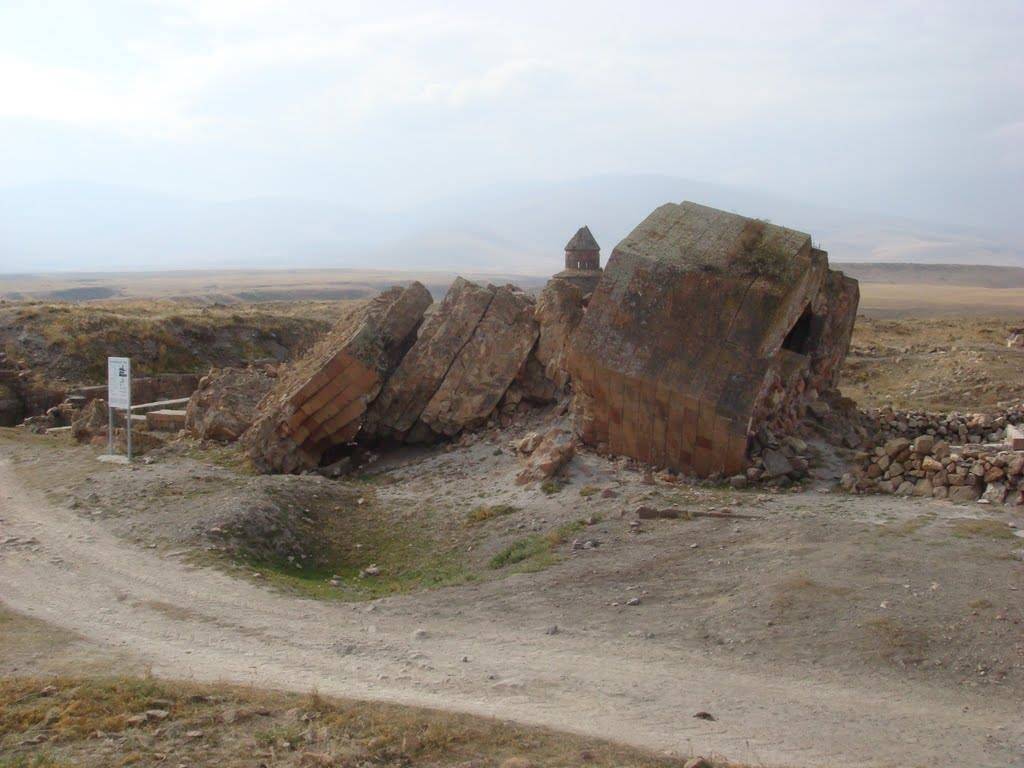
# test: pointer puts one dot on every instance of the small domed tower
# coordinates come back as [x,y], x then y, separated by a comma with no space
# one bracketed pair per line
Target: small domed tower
[582,261]
[582,251]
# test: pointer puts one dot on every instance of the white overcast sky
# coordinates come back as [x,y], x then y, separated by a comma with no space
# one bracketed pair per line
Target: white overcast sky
[913,108]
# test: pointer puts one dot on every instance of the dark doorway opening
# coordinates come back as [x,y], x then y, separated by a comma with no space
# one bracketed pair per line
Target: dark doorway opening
[799,336]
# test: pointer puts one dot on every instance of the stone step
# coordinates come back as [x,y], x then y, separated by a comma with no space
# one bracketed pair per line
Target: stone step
[160,405]
[1015,437]
[166,420]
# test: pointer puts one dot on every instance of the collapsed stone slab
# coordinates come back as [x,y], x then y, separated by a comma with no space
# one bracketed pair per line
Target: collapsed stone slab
[485,366]
[419,376]
[559,311]
[319,402]
[704,326]
[467,355]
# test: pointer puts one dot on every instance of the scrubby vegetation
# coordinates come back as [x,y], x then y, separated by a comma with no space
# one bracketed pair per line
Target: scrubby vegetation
[143,722]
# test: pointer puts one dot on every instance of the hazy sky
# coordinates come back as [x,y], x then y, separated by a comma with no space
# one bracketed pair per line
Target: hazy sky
[916,108]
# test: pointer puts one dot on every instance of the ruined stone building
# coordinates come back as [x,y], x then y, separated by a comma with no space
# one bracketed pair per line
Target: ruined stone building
[705,326]
[582,261]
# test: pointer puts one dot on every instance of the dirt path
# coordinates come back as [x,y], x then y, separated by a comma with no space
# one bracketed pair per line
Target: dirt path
[453,649]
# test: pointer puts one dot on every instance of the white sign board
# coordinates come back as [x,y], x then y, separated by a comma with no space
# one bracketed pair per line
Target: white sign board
[119,382]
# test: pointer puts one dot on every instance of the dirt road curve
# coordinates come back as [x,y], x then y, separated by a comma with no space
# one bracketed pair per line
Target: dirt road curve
[198,623]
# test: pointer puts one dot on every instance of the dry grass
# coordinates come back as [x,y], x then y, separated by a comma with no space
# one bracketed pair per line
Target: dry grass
[913,299]
[937,364]
[905,527]
[800,591]
[96,722]
[484,513]
[897,640]
[966,528]
[72,341]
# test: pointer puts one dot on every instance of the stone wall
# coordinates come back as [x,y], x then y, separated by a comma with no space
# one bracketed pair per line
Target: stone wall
[929,467]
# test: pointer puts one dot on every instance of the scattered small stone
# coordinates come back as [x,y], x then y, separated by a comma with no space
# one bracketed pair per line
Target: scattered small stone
[634,601]
[420,634]
[552,630]
[702,715]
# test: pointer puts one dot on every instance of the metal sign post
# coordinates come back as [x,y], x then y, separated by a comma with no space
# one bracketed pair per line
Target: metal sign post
[119,395]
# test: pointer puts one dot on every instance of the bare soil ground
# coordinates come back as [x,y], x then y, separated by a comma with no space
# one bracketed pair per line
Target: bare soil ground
[822,630]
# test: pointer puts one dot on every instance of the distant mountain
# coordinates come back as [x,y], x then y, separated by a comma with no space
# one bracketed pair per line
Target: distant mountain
[514,227]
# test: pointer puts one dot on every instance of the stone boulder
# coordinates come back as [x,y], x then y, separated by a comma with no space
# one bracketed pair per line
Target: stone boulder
[91,422]
[485,366]
[319,401]
[225,404]
[417,379]
[559,310]
[532,383]
[553,452]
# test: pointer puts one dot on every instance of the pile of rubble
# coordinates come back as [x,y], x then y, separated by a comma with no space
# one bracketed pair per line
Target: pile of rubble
[957,428]
[926,466]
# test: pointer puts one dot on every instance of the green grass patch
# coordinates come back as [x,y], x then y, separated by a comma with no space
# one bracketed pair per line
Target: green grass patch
[403,569]
[341,538]
[552,486]
[589,490]
[536,552]
[517,552]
